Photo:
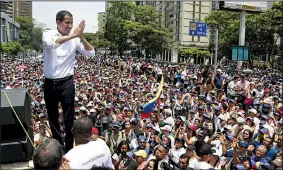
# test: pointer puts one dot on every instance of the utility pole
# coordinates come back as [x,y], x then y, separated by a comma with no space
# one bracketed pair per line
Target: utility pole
[216,49]
[242,33]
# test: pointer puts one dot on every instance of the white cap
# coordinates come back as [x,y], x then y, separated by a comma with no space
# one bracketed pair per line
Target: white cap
[219,70]
[167,128]
[168,111]
[89,104]
[241,120]
[91,110]
[82,108]
[253,111]
[222,117]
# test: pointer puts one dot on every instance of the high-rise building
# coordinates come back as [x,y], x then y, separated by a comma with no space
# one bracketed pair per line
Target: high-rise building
[23,8]
[101,21]
[176,17]
[16,8]
[6,7]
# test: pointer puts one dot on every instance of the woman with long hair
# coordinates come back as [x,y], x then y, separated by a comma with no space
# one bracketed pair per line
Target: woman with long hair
[120,154]
[151,165]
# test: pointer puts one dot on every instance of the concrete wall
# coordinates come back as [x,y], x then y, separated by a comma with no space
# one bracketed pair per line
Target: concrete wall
[10,29]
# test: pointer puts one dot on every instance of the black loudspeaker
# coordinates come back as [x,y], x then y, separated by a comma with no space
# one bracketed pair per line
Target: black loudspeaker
[15,145]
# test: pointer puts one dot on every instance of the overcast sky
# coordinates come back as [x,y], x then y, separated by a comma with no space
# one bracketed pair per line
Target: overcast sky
[45,12]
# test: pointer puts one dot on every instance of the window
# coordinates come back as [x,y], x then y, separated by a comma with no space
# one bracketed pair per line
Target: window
[171,15]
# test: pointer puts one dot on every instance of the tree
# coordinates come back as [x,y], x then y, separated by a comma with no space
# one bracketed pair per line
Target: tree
[12,49]
[189,53]
[227,24]
[115,30]
[30,32]
[262,32]
[98,41]
[130,25]
[146,30]
[148,38]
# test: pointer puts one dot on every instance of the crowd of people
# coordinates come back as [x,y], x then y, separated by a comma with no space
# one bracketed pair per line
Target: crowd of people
[202,119]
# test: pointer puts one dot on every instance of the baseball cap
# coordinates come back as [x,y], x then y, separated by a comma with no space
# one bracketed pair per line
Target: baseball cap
[142,139]
[240,120]
[244,144]
[149,125]
[264,131]
[191,148]
[95,131]
[167,128]
[253,111]
[193,127]
[229,137]
[41,115]
[141,153]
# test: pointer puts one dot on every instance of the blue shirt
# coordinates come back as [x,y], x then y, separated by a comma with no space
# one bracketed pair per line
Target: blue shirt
[254,158]
[218,81]
[271,154]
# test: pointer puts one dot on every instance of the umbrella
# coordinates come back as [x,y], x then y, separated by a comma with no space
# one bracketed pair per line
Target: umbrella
[248,71]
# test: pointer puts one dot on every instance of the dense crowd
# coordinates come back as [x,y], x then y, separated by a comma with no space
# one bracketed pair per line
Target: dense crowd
[228,119]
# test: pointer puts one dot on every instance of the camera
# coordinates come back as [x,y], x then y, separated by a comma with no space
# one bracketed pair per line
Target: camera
[166,166]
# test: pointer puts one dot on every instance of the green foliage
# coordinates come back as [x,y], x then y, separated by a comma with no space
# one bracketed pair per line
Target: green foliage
[30,33]
[130,25]
[12,48]
[261,31]
[192,52]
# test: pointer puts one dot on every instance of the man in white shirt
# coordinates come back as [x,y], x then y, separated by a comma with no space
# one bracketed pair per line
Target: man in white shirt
[59,50]
[87,154]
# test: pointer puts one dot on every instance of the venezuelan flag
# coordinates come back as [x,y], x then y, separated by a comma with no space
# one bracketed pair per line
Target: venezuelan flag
[149,107]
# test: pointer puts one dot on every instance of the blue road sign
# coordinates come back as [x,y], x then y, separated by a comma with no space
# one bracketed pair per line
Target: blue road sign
[197,29]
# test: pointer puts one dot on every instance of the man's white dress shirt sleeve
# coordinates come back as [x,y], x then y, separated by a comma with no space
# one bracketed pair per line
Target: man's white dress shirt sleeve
[49,41]
[81,48]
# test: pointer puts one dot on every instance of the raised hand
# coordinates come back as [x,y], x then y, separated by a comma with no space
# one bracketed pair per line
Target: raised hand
[80,29]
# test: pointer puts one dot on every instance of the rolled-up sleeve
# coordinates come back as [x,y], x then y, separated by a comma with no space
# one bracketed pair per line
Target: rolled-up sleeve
[81,49]
[49,41]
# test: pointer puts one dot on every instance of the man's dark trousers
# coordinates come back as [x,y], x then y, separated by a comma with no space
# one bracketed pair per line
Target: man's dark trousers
[60,90]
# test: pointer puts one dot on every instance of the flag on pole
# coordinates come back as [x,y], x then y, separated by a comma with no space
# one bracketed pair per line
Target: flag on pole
[150,106]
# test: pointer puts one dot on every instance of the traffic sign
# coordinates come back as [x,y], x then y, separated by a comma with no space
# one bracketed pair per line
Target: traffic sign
[197,29]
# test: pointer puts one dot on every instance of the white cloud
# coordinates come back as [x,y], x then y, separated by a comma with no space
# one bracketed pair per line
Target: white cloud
[45,12]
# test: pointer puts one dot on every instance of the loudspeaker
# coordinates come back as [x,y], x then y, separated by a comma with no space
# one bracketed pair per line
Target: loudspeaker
[15,146]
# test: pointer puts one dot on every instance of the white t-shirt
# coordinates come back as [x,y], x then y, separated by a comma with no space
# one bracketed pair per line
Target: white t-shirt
[94,153]
[193,163]
[258,95]
[203,165]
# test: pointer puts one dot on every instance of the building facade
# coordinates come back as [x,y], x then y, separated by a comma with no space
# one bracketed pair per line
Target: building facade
[9,29]
[101,21]
[176,17]
[23,8]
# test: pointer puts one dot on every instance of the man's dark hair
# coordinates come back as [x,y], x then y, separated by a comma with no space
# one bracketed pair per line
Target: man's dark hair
[61,14]
[82,127]
[205,149]
[185,156]
[48,155]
